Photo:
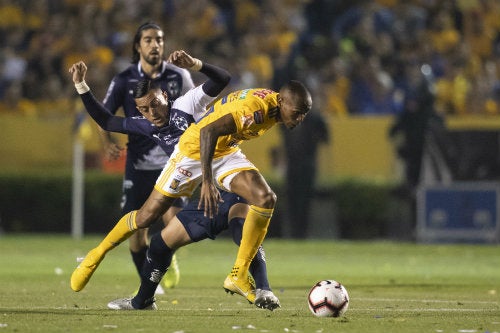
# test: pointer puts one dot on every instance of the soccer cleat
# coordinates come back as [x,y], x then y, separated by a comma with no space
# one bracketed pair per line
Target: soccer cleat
[234,284]
[83,272]
[126,304]
[265,299]
[251,281]
[159,290]
[172,277]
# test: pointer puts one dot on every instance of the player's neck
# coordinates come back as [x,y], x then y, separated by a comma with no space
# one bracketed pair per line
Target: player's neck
[151,71]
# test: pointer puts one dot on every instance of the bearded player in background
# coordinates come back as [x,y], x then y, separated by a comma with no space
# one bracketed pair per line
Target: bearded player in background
[145,159]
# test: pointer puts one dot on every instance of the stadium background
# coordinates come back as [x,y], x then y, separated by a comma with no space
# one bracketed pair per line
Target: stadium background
[325,43]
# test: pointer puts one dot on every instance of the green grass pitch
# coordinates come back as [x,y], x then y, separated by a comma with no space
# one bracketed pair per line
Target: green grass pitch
[394,287]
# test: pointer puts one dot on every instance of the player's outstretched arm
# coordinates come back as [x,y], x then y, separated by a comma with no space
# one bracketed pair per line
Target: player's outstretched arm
[105,119]
[218,78]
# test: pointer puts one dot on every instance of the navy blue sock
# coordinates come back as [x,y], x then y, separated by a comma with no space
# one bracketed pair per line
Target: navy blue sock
[158,259]
[258,267]
[138,258]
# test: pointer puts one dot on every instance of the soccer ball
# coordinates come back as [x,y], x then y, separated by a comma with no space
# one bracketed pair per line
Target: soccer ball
[328,298]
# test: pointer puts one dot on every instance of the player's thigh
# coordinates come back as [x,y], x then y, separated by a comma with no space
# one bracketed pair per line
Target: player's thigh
[170,214]
[175,235]
[235,173]
[137,186]
[180,176]
[251,185]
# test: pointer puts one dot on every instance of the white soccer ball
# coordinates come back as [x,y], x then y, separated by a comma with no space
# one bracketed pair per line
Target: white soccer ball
[328,298]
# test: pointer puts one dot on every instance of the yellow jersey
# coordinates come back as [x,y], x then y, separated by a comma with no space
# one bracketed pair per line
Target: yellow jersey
[254,112]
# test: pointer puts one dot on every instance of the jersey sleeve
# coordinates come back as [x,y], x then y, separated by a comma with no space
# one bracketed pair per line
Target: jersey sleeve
[115,95]
[194,102]
[138,125]
[187,80]
[101,115]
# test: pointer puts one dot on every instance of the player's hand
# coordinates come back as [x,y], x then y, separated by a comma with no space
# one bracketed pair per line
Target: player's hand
[181,59]
[112,151]
[209,199]
[78,70]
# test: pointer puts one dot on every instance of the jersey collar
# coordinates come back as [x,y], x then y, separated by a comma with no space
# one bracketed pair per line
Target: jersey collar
[142,74]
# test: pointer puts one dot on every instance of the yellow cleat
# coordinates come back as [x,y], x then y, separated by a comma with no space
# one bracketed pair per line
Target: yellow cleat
[173,275]
[240,285]
[82,274]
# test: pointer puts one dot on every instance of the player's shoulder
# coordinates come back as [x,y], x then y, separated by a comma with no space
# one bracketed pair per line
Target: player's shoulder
[127,73]
[260,93]
[171,68]
[139,122]
[260,96]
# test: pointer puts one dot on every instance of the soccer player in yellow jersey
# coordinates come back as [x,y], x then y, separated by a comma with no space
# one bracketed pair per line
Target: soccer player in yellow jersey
[208,153]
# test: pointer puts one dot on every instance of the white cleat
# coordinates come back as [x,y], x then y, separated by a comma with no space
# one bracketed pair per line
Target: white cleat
[265,299]
[126,304]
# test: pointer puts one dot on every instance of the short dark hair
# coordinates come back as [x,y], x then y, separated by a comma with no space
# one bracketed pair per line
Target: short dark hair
[144,86]
[137,38]
[299,90]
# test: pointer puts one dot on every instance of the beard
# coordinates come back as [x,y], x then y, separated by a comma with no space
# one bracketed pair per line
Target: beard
[153,59]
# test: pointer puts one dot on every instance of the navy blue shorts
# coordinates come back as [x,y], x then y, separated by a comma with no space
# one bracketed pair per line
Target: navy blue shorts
[137,186]
[200,227]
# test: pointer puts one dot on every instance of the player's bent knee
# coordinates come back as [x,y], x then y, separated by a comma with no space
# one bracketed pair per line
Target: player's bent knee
[145,219]
[267,199]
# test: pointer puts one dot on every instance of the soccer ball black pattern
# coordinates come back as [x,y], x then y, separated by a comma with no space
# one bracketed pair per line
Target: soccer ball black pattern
[328,298]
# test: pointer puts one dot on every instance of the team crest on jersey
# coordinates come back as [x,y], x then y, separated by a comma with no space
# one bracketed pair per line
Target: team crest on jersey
[180,122]
[247,120]
[185,172]
[258,116]
[174,184]
[173,89]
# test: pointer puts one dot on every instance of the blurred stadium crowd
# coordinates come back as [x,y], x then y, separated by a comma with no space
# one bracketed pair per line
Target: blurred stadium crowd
[357,56]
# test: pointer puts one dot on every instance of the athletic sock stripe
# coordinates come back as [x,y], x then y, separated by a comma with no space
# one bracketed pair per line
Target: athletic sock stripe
[265,212]
[131,221]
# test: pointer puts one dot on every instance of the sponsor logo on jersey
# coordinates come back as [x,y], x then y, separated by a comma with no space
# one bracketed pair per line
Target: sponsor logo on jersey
[262,93]
[244,93]
[184,172]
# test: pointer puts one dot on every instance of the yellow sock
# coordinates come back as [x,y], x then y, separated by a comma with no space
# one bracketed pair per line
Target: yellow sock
[125,227]
[254,231]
